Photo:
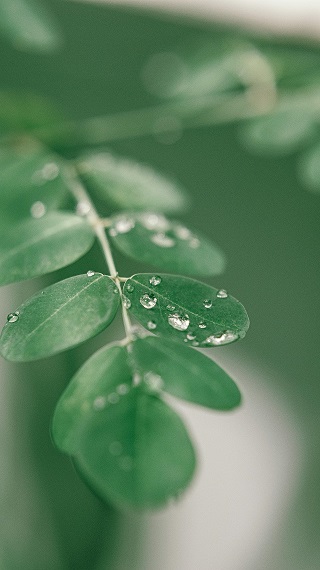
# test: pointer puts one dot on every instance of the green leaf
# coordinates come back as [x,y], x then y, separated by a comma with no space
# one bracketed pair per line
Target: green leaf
[21,111]
[126,184]
[282,132]
[31,179]
[130,446]
[153,239]
[309,169]
[28,25]
[38,246]
[59,317]
[184,373]
[190,311]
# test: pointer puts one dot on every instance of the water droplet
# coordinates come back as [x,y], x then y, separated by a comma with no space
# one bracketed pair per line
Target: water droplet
[179,322]
[222,294]
[129,288]
[126,463]
[155,280]
[153,381]
[182,232]
[112,232]
[162,240]
[170,307]
[195,343]
[202,325]
[223,338]
[151,325]
[13,317]
[115,448]
[38,210]
[83,208]
[113,398]
[126,302]
[155,222]
[90,273]
[191,336]
[148,301]
[194,243]
[207,303]
[123,225]
[123,389]
[99,403]
[116,290]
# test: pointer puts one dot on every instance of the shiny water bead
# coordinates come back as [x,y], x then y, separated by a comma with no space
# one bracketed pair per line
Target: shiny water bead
[148,301]
[179,322]
[126,302]
[153,381]
[222,294]
[38,210]
[90,273]
[83,208]
[182,232]
[13,317]
[155,280]
[202,325]
[194,243]
[123,389]
[155,222]
[170,307]
[162,240]
[124,225]
[223,338]
[151,325]
[191,336]
[113,398]
[207,303]
[99,403]
[50,171]
[129,288]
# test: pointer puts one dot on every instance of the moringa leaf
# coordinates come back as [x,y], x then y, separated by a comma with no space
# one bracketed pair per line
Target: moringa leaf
[126,184]
[309,169]
[190,311]
[282,132]
[153,239]
[128,444]
[29,25]
[184,373]
[60,317]
[35,247]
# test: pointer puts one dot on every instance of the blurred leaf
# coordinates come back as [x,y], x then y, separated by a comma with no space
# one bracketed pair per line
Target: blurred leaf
[190,311]
[21,111]
[31,180]
[59,317]
[130,185]
[152,238]
[130,446]
[309,169]
[29,25]
[185,373]
[38,246]
[282,132]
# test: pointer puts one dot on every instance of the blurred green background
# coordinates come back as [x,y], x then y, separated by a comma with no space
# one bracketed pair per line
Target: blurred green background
[253,206]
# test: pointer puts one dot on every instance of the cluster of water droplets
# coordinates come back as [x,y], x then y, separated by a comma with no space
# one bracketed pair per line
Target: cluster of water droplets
[122,225]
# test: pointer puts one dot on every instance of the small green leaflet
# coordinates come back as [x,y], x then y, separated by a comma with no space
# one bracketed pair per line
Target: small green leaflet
[128,444]
[29,25]
[35,247]
[152,238]
[126,184]
[184,373]
[309,169]
[60,317]
[282,132]
[190,311]
[31,180]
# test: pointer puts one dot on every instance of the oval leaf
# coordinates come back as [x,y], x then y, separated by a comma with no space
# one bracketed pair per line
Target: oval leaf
[188,310]
[282,132]
[127,184]
[28,25]
[31,180]
[184,373]
[59,317]
[153,239]
[309,169]
[130,447]
[37,246]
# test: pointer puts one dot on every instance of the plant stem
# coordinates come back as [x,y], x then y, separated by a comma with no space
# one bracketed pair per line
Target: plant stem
[86,207]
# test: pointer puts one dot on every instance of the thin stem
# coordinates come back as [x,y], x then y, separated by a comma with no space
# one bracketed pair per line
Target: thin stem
[86,207]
